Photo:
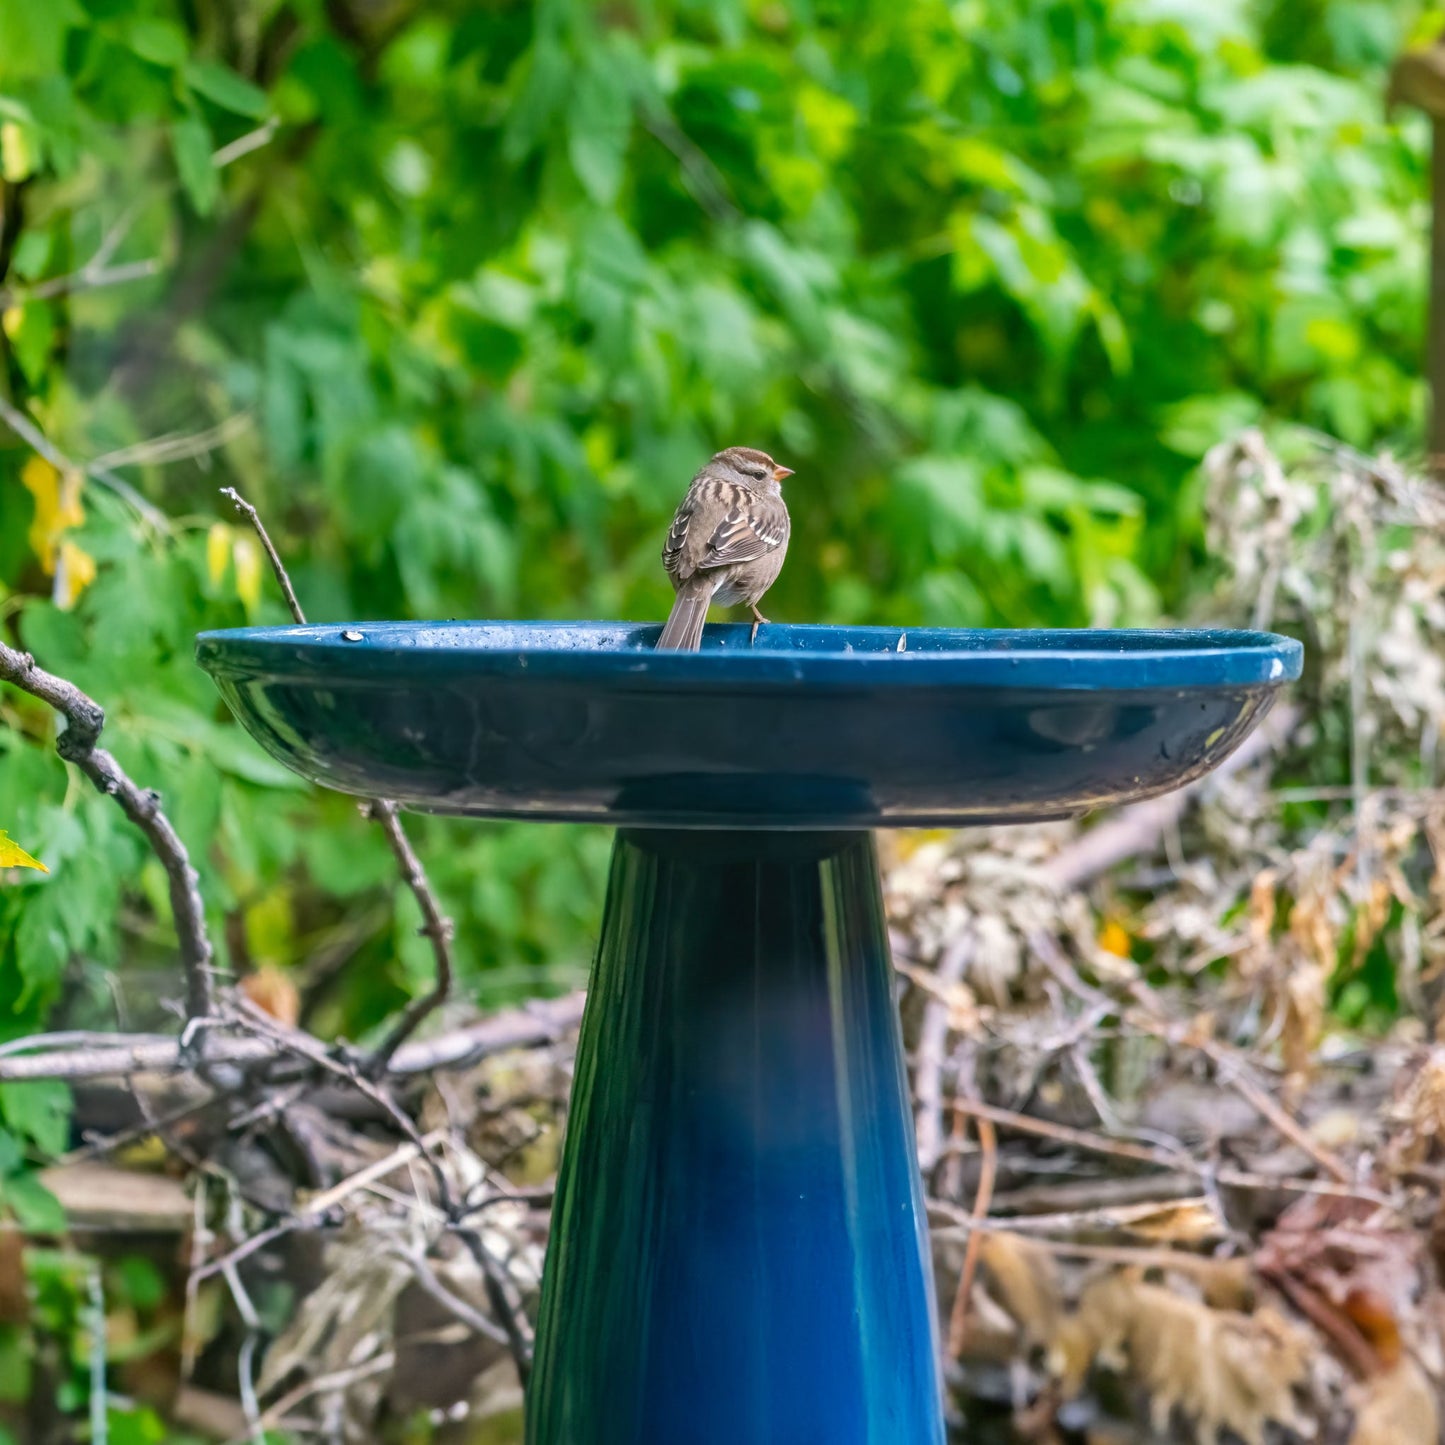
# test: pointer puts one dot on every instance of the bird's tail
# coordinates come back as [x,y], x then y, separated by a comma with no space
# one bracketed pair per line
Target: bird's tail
[683,632]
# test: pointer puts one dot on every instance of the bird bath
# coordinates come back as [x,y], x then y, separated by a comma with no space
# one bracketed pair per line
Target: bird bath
[738,1253]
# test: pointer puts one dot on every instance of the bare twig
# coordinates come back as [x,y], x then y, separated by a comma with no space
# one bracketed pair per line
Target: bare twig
[246,1375]
[99,1413]
[1274,1113]
[72,1038]
[176,446]
[324,1384]
[519,1337]
[88,278]
[700,175]
[1098,1144]
[277,566]
[540,1022]
[1342,1332]
[243,145]
[36,439]
[932,1037]
[200,1239]
[436,926]
[399,1158]
[77,744]
[958,1316]
[317,1053]
[474,1320]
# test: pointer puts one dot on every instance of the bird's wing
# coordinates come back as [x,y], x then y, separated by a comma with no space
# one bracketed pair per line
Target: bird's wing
[720,524]
[675,550]
[751,527]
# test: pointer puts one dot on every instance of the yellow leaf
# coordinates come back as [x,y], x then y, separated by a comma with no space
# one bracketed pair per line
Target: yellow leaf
[1114,938]
[12,855]
[17,160]
[246,553]
[74,572]
[907,842]
[218,551]
[11,320]
[57,507]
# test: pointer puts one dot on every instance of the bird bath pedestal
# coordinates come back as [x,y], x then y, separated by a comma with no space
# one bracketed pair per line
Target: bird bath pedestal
[738,1252]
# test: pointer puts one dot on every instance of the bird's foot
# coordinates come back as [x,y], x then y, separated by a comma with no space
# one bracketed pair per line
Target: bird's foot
[758,620]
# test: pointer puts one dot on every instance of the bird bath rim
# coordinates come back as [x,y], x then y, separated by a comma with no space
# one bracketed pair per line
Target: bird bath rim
[1043,659]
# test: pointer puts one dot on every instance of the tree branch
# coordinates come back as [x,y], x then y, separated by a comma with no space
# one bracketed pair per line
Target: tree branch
[542,1021]
[436,925]
[77,744]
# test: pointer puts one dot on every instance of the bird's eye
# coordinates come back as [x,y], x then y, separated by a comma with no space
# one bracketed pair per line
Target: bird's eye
[754,470]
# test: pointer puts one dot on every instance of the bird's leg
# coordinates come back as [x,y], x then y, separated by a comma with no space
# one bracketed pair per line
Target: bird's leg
[758,620]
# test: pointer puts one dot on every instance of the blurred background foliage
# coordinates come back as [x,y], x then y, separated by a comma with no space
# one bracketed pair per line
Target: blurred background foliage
[461,293]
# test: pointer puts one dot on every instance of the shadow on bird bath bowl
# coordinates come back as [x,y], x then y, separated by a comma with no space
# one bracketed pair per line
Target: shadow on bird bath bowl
[738,1251]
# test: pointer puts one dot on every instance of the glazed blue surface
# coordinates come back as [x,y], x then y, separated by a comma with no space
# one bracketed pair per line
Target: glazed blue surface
[738,1252]
[813,727]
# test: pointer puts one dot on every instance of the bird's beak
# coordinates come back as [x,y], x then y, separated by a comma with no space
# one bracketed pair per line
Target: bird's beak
[780,472]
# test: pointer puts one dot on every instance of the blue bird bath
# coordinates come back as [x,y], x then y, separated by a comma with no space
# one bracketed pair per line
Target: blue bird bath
[738,1254]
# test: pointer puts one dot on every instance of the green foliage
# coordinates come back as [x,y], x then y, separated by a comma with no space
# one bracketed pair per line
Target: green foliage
[486,283]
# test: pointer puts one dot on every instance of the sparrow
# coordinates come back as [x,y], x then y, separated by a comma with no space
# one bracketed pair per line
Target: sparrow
[726,543]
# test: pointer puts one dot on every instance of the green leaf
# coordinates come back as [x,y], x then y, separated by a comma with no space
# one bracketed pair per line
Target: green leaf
[191,145]
[39,1110]
[40,945]
[32,253]
[599,124]
[543,90]
[225,88]
[31,329]
[36,1209]
[136,1425]
[141,1283]
[16,1356]
[235,752]
[33,34]
[162,42]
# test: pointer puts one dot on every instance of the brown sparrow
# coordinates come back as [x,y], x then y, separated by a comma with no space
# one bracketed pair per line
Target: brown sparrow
[726,543]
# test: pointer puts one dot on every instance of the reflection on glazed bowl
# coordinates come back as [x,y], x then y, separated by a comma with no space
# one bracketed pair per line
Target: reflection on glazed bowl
[813,727]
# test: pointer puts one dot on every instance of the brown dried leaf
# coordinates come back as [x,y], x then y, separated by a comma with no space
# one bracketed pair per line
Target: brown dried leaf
[1185,1221]
[1420,1114]
[1304,1025]
[1398,1407]
[1024,1276]
[274,993]
[1221,1368]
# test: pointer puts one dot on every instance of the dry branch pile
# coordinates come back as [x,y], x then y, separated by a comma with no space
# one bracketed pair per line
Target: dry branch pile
[1174,1197]
[1179,1078]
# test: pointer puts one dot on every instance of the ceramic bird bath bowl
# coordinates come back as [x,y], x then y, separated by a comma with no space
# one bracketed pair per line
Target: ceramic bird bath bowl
[738,1252]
